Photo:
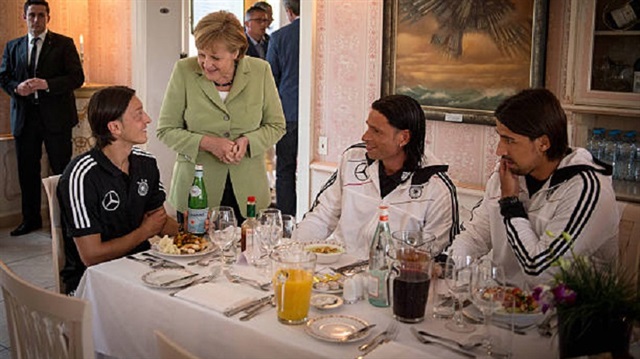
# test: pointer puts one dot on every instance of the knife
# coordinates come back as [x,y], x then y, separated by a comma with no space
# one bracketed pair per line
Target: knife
[164,261]
[252,312]
[422,339]
[233,311]
[164,284]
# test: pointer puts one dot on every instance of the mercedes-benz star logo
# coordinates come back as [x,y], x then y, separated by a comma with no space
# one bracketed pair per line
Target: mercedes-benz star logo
[111,201]
[361,172]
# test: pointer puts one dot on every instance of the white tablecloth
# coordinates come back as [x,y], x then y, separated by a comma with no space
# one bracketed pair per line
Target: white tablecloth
[126,312]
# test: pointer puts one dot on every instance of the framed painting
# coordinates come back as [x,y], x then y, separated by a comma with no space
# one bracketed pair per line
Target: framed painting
[461,59]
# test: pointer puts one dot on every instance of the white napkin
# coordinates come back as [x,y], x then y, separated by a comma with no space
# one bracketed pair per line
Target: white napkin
[220,296]
[395,350]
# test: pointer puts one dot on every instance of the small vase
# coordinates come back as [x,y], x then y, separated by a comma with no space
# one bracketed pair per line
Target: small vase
[594,335]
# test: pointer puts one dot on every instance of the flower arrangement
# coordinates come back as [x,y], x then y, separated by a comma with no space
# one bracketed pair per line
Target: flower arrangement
[596,305]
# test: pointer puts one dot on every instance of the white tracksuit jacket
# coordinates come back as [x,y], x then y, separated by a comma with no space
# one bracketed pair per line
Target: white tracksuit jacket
[347,205]
[577,199]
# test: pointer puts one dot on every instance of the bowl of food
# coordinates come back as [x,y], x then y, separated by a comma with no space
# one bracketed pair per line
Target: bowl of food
[326,253]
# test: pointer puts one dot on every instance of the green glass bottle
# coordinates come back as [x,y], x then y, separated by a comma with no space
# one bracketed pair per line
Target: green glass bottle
[198,206]
[378,268]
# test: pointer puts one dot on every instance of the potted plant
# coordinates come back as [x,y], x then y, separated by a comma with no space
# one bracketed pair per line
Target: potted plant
[596,306]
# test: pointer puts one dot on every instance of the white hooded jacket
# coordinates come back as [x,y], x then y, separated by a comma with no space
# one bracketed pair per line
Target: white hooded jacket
[347,205]
[578,199]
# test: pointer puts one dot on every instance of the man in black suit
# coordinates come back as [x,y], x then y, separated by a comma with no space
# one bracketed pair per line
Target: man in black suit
[256,21]
[40,71]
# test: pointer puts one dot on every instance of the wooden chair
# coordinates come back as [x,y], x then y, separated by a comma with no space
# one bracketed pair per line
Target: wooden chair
[57,242]
[168,349]
[629,241]
[44,324]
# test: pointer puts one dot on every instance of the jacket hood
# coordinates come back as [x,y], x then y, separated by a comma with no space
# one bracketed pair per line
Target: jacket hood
[577,161]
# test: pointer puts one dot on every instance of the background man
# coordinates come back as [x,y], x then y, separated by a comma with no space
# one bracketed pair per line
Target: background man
[283,56]
[391,167]
[544,197]
[40,71]
[111,198]
[256,22]
[266,7]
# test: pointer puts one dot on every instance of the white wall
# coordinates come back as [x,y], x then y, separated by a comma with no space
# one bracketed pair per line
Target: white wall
[157,45]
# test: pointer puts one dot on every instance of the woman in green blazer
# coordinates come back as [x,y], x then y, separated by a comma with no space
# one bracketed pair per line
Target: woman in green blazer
[222,110]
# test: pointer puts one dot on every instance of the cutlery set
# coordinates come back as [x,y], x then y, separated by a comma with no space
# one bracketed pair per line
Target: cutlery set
[155,261]
[251,308]
[389,334]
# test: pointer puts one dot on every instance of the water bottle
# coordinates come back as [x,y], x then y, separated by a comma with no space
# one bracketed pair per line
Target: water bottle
[626,155]
[378,267]
[198,207]
[595,144]
[636,164]
[611,150]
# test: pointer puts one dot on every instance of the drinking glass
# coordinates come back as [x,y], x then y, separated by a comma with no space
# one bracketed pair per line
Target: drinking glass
[269,228]
[487,294]
[222,230]
[457,276]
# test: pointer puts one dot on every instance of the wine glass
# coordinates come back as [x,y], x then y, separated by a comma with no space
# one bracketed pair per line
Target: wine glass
[269,228]
[487,294]
[222,229]
[457,276]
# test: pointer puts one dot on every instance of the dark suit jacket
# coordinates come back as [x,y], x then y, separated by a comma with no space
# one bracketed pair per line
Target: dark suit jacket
[60,65]
[284,58]
[251,50]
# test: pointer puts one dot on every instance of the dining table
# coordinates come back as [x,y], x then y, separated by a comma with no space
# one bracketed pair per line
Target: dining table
[126,312]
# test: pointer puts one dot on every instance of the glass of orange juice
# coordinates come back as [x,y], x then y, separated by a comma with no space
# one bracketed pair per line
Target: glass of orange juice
[292,282]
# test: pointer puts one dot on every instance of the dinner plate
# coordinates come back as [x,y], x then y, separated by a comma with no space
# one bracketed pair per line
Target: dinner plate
[155,278]
[520,319]
[326,301]
[334,328]
[210,249]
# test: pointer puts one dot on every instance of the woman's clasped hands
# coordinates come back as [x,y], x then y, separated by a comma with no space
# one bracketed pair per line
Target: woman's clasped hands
[227,151]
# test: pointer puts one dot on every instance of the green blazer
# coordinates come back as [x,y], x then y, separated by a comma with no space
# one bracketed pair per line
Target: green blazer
[192,107]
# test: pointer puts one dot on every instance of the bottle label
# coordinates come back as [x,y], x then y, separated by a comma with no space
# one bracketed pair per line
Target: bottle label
[195,191]
[374,286]
[624,15]
[197,218]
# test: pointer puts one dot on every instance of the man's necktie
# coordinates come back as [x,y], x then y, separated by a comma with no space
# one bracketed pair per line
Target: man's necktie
[34,56]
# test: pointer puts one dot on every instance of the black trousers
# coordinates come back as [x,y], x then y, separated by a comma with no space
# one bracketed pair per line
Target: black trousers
[286,165]
[228,199]
[29,153]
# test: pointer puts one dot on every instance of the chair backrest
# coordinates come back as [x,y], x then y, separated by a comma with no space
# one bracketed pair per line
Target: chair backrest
[629,241]
[168,349]
[42,323]
[57,242]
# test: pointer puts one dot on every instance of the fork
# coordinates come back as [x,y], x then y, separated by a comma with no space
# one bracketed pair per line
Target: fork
[234,278]
[390,334]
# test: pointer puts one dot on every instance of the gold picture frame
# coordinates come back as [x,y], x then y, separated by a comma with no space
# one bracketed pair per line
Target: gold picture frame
[433,44]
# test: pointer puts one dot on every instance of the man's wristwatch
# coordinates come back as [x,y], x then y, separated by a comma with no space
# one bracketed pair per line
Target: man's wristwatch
[507,201]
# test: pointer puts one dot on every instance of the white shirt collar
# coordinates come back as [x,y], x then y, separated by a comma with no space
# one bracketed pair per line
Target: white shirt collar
[41,36]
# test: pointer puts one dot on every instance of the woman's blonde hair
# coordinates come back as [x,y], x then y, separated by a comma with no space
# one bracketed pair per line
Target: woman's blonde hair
[221,26]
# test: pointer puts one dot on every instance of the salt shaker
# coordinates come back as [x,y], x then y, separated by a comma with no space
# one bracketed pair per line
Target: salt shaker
[350,290]
[361,281]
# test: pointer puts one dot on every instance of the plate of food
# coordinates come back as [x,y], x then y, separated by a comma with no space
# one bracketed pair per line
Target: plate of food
[328,283]
[326,252]
[524,311]
[336,328]
[183,245]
